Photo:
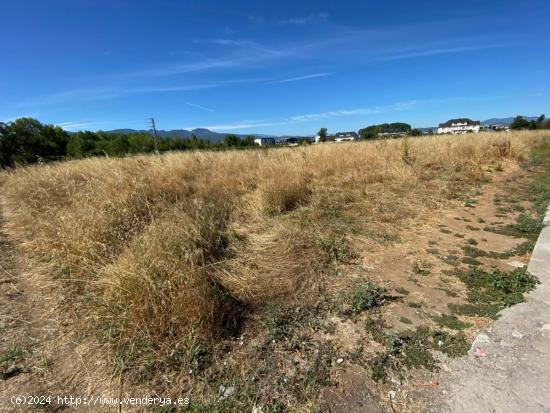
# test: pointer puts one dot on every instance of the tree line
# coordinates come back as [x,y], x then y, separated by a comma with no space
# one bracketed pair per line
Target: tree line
[27,141]
[371,132]
[520,122]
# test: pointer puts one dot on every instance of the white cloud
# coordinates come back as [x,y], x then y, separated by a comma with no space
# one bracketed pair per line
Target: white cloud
[107,92]
[353,112]
[7,119]
[195,105]
[431,52]
[295,79]
[255,19]
[75,125]
[311,18]
[310,117]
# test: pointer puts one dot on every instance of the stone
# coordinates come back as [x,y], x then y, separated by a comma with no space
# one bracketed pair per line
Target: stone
[517,334]
[225,392]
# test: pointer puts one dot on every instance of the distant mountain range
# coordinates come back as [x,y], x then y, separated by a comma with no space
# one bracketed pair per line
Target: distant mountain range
[215,137]
[200,133]
[505,121]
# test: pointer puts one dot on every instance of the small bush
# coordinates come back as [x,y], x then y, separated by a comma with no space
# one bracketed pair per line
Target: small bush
[367,296]
[336,248]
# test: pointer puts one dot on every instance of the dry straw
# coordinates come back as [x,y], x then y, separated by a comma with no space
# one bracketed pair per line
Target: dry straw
[185,242]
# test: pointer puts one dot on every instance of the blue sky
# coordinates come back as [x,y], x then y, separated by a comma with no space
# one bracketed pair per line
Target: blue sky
[284,67]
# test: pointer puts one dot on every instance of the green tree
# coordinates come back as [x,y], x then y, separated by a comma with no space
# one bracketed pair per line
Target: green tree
[248,140]
[519,123]
[372,131]
[323,134]
[7,145]
[140,143]
[232,140]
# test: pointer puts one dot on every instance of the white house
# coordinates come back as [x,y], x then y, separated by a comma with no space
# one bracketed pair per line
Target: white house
[264,141]
[459,126]
[345,136]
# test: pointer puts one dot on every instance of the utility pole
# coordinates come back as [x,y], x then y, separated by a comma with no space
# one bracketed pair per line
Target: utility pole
[153,127]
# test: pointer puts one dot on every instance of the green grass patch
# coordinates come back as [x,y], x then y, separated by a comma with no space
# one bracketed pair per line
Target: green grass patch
[470,261]
[471,251]
[412,349]
[337,248]
[490,292]
[450,259]
[280,322]
[451,321]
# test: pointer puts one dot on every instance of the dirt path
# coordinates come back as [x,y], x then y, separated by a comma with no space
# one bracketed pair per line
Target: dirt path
[511,371]
[36,356]
[24,324]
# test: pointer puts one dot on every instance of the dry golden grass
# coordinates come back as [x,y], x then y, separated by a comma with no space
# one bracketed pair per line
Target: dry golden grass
[159,246]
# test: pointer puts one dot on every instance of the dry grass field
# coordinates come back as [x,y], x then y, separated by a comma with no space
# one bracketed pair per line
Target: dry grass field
[279,274]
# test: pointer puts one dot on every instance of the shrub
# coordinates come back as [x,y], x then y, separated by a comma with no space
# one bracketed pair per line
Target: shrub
[336,248]
[367,296]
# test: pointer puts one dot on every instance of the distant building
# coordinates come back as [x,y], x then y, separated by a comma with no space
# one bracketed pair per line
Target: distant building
[264,141]
[495,128]
[459,126]
[345,136]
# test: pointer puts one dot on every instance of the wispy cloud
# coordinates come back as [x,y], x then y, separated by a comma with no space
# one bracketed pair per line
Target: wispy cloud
[194,105]
[7,119]
[255,19]
[75,125]
[233,42]
[310,18]
[108,92]
[304,77]
[353,112]
[250,124]
[431,52]
[255,54]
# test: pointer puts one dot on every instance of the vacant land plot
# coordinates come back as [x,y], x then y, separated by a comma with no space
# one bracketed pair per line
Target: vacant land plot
[287,279]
